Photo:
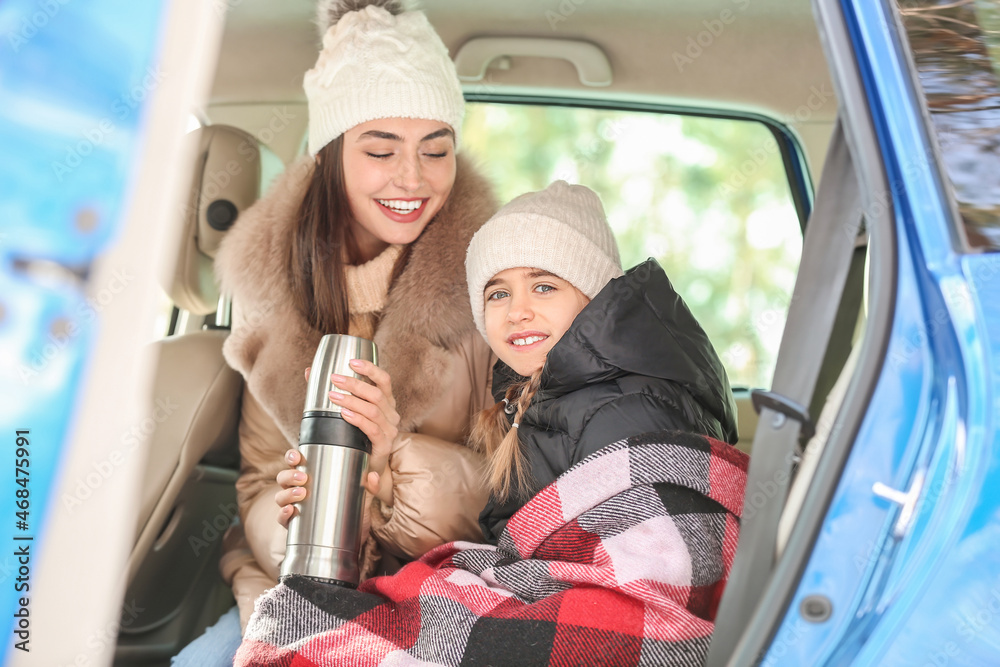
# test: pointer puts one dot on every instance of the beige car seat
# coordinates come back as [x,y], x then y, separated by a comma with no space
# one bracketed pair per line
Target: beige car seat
[746,421]
[188,496]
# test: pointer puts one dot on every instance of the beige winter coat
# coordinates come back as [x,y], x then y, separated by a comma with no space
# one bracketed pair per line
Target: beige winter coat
[439,365]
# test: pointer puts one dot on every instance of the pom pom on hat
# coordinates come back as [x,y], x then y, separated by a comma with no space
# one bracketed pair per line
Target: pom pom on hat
[329,12]
[561,229]
[378,62]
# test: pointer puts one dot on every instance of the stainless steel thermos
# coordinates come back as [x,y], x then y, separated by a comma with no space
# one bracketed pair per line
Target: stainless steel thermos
[324,538]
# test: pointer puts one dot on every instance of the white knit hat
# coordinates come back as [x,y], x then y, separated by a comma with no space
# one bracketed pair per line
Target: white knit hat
[561,229]
[378,65]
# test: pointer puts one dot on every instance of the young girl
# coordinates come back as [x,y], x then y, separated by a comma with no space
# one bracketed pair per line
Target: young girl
[592,363]
[614,519]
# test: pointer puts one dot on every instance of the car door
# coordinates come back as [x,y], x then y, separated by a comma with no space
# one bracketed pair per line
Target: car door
[887,563]
[88,89]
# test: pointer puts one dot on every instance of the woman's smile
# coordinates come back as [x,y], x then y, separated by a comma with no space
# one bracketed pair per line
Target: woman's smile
[403,210]
[398,173]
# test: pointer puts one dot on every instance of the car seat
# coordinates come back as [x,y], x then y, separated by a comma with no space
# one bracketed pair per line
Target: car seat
[188,497]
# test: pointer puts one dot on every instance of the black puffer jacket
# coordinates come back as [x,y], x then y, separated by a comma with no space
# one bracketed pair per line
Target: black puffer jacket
[634,360]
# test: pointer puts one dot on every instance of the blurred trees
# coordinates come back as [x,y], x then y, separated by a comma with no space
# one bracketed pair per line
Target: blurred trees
[956,48]
[707,197]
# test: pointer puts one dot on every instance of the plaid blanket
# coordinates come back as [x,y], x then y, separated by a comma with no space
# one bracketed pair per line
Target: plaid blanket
[620,561]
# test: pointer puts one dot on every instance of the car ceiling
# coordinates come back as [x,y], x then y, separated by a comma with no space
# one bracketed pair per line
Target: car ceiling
[767,59]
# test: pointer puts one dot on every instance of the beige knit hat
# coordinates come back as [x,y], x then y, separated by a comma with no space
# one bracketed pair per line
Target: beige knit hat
[376,64]
[561,229]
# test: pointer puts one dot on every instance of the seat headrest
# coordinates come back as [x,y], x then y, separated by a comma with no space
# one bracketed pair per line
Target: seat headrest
[226,180]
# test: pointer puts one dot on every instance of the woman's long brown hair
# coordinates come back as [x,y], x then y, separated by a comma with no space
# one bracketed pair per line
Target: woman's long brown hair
[324,246]
[507,469]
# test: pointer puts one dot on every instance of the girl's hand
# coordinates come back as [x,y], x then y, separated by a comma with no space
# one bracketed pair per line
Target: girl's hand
[292,482]
[371,408]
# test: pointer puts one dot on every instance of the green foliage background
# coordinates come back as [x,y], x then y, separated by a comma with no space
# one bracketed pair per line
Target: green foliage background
[707,197]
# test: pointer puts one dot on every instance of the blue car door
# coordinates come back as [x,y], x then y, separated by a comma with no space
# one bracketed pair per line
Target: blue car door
[893,559]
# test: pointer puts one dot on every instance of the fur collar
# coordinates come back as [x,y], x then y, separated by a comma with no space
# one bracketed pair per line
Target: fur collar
[426,315]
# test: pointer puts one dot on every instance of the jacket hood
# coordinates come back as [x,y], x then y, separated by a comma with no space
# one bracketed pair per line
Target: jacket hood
[638,324]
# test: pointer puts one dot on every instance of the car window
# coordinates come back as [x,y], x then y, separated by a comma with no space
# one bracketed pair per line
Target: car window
[708,197]
[956,49]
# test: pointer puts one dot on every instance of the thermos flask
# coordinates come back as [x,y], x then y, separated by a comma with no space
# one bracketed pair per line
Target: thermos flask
[324,538]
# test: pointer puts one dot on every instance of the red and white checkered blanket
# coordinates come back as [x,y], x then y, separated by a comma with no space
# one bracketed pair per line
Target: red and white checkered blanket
[620,561]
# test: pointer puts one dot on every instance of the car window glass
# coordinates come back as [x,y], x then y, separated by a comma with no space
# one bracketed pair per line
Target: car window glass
[956,48]
[708,197]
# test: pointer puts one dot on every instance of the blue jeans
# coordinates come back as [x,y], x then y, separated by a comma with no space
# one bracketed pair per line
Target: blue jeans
[215,648]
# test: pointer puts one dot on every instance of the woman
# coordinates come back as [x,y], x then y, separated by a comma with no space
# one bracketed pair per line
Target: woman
[615,506]
[366,236]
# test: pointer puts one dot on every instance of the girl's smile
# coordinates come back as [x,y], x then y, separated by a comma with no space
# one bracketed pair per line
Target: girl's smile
[524,341]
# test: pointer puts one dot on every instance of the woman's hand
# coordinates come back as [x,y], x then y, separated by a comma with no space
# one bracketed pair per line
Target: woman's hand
[292,483]
[370,408]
